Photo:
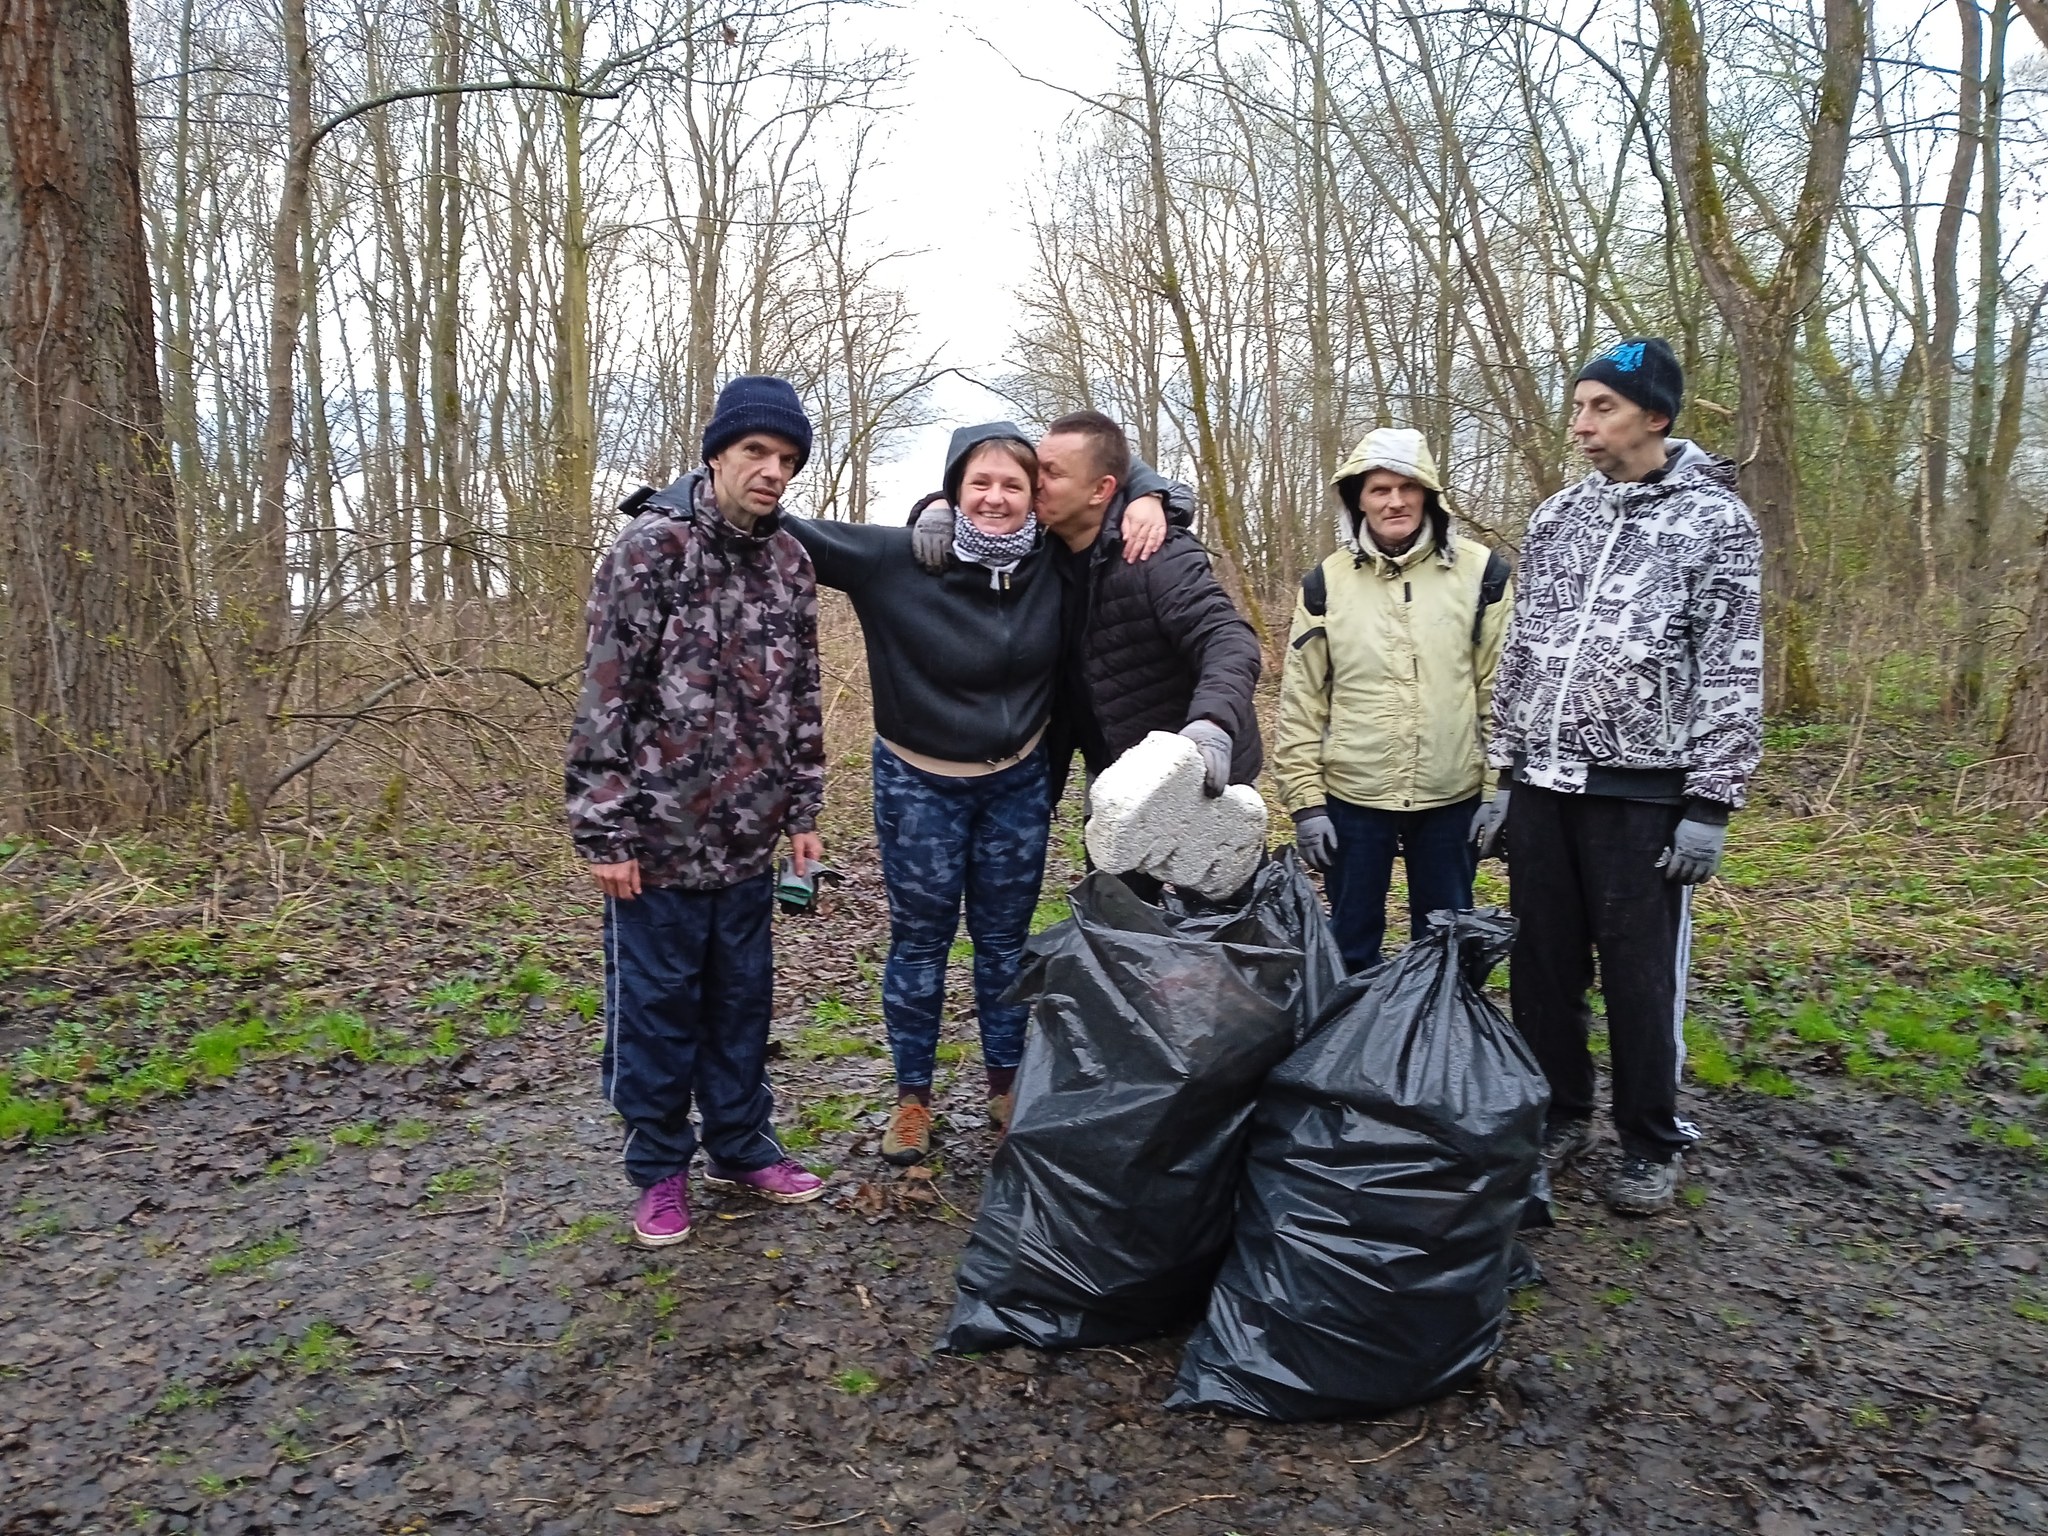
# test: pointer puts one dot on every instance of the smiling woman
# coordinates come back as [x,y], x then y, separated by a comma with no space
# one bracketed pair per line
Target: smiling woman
[961,665]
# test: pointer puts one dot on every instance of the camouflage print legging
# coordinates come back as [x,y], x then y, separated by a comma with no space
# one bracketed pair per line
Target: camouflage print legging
[943,839]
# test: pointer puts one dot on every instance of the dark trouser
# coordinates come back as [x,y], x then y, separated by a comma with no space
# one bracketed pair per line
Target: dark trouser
[689,986]
[942,839]
[1584,878]
[1436,846]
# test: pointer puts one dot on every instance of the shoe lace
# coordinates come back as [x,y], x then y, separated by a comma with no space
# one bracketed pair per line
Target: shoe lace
[667,1198]
[912,1120]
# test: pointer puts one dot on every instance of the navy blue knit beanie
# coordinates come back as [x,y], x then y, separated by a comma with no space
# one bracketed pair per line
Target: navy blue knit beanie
[1643,369]
[756,402]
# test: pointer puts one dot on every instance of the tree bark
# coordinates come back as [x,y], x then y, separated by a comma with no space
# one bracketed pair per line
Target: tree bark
[1763,312]
[260,602]
[1948,228]
[1215,489]
[1975,585]
[2021,756]
[87,516]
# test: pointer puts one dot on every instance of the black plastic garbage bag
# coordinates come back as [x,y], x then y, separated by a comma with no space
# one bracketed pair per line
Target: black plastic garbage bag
[1389,1164]
[1108,1205]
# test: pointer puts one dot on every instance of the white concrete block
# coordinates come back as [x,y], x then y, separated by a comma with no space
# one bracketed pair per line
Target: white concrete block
[1148,814]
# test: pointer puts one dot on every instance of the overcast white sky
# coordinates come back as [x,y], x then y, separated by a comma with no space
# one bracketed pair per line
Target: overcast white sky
[949,187]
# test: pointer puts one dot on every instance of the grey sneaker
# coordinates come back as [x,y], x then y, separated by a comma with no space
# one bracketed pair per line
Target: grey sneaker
[1643,1188]
[1564,1140]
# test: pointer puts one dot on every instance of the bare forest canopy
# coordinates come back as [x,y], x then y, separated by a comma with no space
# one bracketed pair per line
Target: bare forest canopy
[336,331]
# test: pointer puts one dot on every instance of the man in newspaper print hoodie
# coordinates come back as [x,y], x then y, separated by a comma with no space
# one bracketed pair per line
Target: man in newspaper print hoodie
[1627,721]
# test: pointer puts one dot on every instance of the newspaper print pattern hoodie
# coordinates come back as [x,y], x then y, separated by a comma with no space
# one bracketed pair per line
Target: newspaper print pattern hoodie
[1637,637]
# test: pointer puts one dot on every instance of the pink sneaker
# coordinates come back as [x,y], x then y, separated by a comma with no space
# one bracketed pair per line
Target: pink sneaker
[662,1218]
[786,1183]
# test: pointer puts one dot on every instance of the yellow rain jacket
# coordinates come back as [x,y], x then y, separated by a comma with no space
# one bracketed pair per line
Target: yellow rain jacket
[1390,661]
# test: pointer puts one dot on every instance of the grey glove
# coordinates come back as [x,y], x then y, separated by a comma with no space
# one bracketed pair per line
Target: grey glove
[1489,822]
[1695,851]
[1316,836]
[1214,742]
[931,536]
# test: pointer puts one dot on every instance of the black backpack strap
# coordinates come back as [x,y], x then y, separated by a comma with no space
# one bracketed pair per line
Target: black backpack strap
[1493,586]
[1315,592]
[633,503]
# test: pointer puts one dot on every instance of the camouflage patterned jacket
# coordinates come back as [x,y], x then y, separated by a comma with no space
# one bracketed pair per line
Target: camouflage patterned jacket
[698,739]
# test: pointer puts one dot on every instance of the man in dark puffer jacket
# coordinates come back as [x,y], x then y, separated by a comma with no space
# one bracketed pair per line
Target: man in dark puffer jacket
[1153,646]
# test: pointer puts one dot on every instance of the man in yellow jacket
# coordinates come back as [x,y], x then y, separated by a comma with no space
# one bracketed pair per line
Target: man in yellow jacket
[1386,693]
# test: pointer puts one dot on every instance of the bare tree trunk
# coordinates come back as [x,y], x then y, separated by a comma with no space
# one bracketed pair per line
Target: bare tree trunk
[1215,488]
[576,427]
[262,596]
[450,465]
[86,508]
[1941,339]
[1981,486]
[1764,312]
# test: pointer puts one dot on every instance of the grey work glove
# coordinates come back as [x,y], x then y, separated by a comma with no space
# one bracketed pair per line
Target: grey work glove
[1315,835]
[1214,742]
[1695,851]
[1489,822]
[931,536]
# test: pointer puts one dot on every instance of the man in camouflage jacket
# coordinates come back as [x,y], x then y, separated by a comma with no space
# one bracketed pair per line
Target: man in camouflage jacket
[697,744]
[1627,721]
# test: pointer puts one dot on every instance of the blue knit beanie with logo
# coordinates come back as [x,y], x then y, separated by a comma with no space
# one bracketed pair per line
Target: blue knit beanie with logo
[756,402]
[1643,369]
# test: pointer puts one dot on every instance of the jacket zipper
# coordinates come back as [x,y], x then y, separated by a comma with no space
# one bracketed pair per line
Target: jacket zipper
[1571,660]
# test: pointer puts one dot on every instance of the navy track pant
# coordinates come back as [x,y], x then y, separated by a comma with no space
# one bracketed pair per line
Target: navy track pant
[689,987]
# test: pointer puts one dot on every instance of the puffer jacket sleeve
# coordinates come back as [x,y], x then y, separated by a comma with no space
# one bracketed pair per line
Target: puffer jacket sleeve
[1727,729]
[1486,658]
[1178,495]
[1304,712]
[1203,625]
[625,623]
[807,729]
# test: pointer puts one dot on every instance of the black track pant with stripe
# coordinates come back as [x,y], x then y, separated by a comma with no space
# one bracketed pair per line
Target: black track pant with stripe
[1584,879]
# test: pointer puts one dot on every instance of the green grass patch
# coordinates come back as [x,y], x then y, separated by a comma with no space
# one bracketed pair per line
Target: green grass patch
[255,1256]
[305,1153]
[184,1394]
[530,978]
[321,1347]
[1050,912]
[837,1029]
[582,1229]
[463,992]
[859,1381]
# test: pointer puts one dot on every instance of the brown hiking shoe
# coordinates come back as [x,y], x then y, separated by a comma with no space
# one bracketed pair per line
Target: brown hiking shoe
[999,1110]
[909,1137]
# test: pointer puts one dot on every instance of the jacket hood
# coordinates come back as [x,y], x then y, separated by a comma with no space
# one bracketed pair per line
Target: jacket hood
[1406,452]
[1684,458]
[1686,465]
[690,496]
[965,441]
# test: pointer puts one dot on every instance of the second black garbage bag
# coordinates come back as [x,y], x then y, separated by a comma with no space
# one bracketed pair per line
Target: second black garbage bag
[1390,1160]
[1108,1205]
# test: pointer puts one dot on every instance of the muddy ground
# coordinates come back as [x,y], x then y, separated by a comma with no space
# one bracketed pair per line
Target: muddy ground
[328,1295]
